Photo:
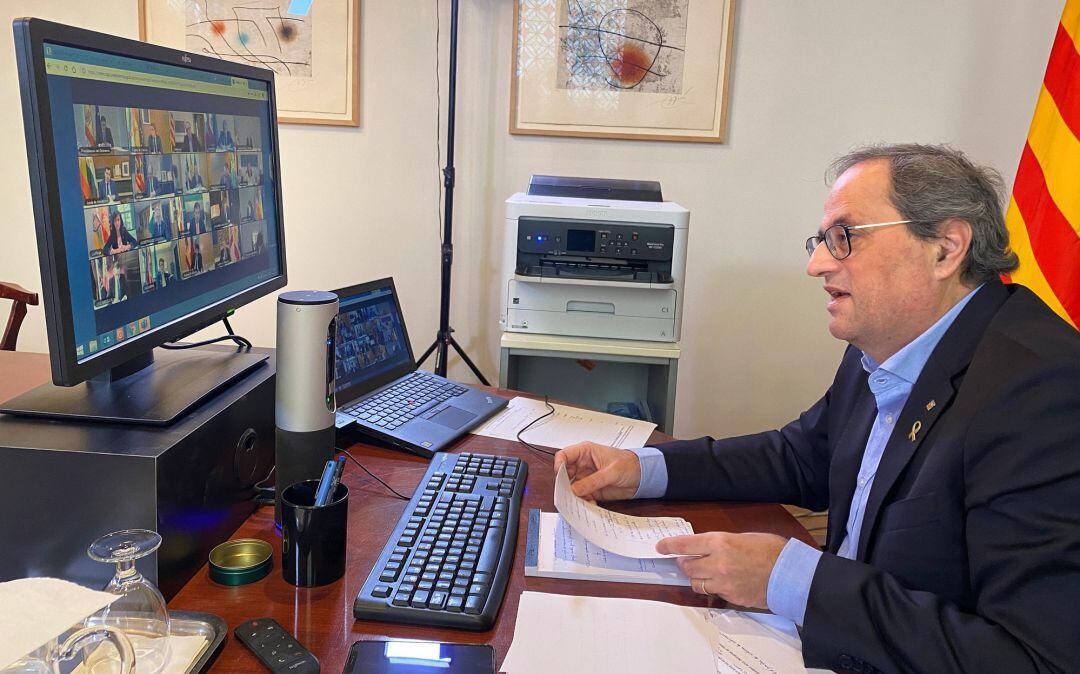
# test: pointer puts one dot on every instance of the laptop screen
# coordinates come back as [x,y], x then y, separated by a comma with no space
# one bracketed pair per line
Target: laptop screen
[371,338]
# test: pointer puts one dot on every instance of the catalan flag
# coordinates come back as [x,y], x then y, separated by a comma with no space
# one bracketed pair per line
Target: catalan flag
[140,177]
[1044,213]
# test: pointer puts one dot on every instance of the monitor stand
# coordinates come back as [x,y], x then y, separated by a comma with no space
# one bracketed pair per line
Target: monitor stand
[148,390]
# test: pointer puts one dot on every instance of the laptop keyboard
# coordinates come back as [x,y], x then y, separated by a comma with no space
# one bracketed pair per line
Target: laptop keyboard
[411,397]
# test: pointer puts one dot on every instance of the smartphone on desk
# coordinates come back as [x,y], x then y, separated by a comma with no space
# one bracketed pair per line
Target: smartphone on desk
[404,656]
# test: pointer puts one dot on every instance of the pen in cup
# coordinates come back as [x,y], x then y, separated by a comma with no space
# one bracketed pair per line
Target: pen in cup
[335,479]
[322,494]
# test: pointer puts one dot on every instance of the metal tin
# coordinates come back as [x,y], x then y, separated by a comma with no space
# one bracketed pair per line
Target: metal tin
[241,561]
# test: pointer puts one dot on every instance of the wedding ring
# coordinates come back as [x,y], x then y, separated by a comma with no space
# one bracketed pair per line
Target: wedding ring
[703,591]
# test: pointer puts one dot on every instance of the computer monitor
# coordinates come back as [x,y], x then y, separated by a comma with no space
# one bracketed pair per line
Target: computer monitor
[156,189]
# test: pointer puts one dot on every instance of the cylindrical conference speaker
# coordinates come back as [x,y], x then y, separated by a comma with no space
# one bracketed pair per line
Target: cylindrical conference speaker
[304,405]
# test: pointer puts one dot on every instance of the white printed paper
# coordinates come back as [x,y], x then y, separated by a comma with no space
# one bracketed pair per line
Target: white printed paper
[624,535]
[567,426]
[564,553]
[595,635]
[587,635]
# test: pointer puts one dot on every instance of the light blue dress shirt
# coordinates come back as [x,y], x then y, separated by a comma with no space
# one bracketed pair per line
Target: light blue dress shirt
[890,383]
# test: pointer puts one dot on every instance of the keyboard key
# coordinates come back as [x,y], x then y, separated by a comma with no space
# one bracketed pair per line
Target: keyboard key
[437,601]
[490,551]
[474,604]
[420,599]
[381,591]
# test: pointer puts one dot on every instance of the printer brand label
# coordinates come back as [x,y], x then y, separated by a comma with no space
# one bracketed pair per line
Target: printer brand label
[655,245]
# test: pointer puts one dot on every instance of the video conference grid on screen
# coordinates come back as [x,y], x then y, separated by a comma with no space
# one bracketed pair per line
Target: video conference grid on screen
[368,336]
[167,195]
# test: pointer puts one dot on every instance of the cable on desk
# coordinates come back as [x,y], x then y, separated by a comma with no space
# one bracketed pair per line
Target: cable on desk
[551,410]
[353,458]
[264,493]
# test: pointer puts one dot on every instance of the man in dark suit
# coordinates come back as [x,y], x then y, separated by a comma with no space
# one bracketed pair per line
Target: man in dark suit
[191,141]
[106,137]
[159,225]
[108,187]
[196,256]
[153,140]
[164,276]
[225,137]
[947,448]
[196,221]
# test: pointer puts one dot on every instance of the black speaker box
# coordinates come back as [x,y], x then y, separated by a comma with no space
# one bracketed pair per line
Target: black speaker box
[65,484]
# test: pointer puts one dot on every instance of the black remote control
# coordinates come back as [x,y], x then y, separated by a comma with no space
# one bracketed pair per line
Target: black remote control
[276,648]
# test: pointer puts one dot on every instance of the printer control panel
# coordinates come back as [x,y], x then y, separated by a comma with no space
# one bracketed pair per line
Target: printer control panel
[596,250]
[550,236]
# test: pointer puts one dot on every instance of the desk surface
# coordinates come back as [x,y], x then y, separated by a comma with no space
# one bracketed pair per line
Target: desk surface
[321,617]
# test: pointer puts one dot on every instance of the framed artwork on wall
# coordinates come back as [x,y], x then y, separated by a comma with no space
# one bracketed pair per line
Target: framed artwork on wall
[629,69]
[314,51]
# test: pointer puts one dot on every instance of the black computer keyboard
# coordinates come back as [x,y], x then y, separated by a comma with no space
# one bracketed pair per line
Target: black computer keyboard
[448,560]
[406,399]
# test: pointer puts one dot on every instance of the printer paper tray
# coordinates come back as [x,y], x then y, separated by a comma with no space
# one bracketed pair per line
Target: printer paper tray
[593,282]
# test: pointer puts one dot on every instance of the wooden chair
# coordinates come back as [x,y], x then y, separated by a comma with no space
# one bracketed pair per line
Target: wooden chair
[19,297]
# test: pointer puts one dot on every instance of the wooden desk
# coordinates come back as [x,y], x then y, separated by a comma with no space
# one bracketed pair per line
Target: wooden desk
[321,618]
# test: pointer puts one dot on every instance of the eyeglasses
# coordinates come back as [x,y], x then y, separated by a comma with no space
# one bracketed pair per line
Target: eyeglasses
[838,238]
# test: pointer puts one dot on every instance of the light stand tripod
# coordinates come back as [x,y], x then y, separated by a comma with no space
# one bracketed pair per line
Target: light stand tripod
[445,337]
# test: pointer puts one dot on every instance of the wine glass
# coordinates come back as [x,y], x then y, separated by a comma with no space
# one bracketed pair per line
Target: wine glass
[140,611]
[49,658]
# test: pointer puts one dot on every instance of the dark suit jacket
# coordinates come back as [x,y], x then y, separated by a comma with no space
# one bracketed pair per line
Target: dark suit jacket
[969,555]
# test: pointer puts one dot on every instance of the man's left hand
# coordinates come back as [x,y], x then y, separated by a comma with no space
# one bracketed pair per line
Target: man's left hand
[736,567]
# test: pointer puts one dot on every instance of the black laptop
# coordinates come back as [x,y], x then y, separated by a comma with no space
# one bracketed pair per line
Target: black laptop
[380,391]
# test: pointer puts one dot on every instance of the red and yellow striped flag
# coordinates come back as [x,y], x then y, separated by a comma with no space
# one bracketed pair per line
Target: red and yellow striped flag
[1044,212]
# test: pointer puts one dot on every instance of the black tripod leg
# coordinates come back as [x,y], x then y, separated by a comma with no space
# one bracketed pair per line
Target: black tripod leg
[427,353]
[468,361]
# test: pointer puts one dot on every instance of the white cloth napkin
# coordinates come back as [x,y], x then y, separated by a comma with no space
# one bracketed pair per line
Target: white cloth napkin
[35,610]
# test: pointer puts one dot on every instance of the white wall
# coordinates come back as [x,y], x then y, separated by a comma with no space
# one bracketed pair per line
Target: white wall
[810,80]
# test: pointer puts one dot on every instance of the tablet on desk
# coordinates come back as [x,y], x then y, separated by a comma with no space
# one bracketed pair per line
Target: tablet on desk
[419,657]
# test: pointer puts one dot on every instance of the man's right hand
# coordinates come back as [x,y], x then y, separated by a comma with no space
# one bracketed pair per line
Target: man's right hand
[600,473]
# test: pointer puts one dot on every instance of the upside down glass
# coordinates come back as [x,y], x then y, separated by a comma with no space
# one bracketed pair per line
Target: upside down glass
[140,611]
[48,658]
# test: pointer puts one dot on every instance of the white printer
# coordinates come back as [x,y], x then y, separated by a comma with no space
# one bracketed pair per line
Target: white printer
[589,258]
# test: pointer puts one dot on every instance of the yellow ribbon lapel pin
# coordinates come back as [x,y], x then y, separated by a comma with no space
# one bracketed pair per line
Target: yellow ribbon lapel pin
[915,428]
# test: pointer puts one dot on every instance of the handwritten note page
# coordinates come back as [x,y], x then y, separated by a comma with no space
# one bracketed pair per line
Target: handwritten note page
[624,535]
[565,427]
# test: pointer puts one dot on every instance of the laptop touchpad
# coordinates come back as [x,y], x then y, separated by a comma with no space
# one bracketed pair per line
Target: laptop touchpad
[453,417]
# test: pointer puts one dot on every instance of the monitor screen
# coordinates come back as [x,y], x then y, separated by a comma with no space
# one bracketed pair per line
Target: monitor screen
[166,190]
[371,337]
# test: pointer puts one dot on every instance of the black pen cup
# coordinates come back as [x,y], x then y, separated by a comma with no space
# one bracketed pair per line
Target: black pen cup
[313,538]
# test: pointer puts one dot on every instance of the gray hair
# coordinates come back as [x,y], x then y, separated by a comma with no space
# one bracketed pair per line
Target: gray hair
[933,183]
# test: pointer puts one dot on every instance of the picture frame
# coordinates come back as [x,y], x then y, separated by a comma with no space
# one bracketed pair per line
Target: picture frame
[625,69]
[315,56]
